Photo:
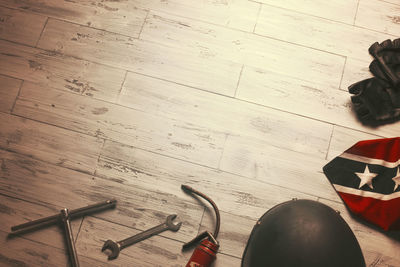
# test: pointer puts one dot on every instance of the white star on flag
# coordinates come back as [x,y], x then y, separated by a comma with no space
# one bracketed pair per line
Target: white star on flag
[366,177]
[396,179]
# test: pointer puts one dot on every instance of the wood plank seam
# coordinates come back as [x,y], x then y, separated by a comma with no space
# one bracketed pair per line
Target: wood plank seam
[330,140]
[64,20]
[15,101]
[79,229]
[144,22]
[98,158]
[341,77]
[66,129]
[122,86]
[238,82]
[40,35]
[397,4]
[258,15]
[335,21]
[222,154]
[305,13]
[355,15]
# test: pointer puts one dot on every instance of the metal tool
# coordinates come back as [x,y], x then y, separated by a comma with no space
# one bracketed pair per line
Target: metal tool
[64,217]
[116,247]
[69,238]
[205,253]
[76,213]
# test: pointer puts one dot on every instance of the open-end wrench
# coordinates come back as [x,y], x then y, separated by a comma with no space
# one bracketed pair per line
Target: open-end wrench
[116,247]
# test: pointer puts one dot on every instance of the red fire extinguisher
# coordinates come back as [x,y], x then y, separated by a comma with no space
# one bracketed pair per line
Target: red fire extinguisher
[205,253]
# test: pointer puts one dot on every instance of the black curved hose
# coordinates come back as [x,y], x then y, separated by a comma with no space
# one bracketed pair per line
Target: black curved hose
[189,189]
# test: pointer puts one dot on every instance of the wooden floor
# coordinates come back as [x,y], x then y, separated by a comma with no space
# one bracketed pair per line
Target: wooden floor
[245,101]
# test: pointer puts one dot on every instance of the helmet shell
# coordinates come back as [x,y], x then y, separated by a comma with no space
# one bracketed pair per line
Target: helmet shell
[302,233]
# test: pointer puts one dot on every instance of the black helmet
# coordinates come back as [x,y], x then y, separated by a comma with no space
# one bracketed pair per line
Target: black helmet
[302,233]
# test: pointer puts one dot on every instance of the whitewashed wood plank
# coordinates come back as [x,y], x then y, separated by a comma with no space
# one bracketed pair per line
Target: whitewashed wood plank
[391,1]
[379,248]
[21,27]
[9,88]
[289,169]
[155,251]
[300,97]
[117,16]
[126,17]
[318,33]
[238,14]
[355,70]
[243,48]
[338,10]
[158,60]
[225,115]
[138,205]
[48,143]
[233,194]
[15,211]
[344,138]
[187,141]
[49,69]
[234,233]
[24,252]
[379,16]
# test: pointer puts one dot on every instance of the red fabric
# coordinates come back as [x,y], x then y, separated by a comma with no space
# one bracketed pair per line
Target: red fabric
[387,149]
[384,213]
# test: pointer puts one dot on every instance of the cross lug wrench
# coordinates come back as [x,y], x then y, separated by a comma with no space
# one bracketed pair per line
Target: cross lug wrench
[116,247]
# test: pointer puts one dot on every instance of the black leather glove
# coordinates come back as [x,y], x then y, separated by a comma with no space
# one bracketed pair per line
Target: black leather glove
[375,100]
[386,65]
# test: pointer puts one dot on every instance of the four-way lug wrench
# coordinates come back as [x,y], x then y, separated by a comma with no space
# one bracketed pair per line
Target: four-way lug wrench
[116,247]
[64,217]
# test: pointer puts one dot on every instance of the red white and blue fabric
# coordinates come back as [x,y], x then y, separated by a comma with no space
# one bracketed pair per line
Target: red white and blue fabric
[367,178]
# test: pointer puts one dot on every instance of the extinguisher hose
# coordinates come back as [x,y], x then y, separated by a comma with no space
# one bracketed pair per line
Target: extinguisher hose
[209,200]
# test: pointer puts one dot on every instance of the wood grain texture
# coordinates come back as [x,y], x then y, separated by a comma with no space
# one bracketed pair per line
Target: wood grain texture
[318,33]
[181,66]
[187,141]
[15,211]
[338,10]
[344,138]
[24,252]
[225,115]
[137,206]
[20,27]
[234,194]
[9,89]
[234,233]
[126,17]
[48,143]
[243,48]
[379,16]
[155,251]
[300,97]
[117,16]
[238,14]
[244,100]
[379,248]
[49,69]
[354,70]
[259,161]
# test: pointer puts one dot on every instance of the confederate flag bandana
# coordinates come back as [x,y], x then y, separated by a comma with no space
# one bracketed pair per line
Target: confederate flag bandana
[367,178]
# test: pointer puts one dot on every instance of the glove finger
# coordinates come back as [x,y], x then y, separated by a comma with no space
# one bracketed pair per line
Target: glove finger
[361,110]
[375,69]
[358,87]
[356,100]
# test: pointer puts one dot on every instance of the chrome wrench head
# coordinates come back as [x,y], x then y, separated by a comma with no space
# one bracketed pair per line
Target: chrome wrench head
[113,247]
[171,226]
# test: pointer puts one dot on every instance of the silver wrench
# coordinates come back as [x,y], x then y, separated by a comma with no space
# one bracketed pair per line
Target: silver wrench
[116,247]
